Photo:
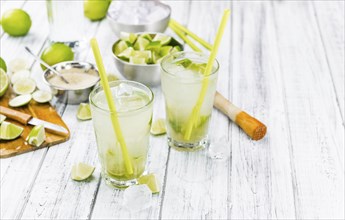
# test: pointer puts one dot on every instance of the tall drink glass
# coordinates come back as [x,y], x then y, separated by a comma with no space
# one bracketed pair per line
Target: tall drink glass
[181,85]
[134,103]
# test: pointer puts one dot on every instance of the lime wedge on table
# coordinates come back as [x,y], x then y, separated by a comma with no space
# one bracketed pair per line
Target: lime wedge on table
[24,86]
[120,47]
[81,171]
[163,39]
[42,96]
[141,43]
[36,136]
[16,22]
[9,131]
[84,112]
[130,37]
[3,82]
[21,74]
[151,181]
[20,100]
[2,118]
[126,54]
[158,127]
[3,64]
[18,64]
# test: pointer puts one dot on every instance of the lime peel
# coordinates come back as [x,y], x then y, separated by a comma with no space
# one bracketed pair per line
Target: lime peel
[81,171]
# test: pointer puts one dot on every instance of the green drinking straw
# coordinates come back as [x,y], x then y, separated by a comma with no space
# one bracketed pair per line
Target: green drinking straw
[111,104]
[196,110]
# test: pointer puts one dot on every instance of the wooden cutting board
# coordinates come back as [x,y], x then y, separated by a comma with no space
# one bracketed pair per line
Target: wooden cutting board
[41,111]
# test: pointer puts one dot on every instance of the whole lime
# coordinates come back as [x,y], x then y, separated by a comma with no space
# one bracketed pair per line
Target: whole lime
[56,53]
[16,22]
[3,65]
[96,9]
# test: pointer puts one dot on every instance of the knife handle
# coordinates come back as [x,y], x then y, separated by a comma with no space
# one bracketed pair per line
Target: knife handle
[18,116]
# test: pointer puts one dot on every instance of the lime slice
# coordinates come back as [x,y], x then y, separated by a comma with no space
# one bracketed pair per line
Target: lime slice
[96,10]
[3,64]
[141,43]
[36,136]
[2,118]
[9,131]
[21,74]
[20,100]
[137,60]
[126,54]
[158,127]
[42,96]
[130,37]
[120,47]
[151,181]
[24,86]
[146,36]
[84,112]
[56,53]
[81,171]
[18,64]
[3,82]
[16,22]
[163,39]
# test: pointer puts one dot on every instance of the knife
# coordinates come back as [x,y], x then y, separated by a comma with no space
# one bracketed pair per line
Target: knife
[25,119]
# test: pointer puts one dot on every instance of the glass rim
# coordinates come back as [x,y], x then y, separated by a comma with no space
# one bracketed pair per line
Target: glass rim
[213,72]
[93,93]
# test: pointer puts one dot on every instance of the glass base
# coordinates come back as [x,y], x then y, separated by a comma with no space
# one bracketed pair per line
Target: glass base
[118,183]
[181,146]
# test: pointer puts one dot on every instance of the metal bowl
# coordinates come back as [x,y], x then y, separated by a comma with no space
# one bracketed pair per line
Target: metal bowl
[156,26]
[148,74]
[77,95]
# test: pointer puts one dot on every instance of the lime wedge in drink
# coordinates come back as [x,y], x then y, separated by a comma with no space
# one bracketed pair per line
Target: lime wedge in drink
[84,112]
[184,62]
[16,22]
[18,64]
[81,171]
[24,86]
[3,64]
[151,181]
[21,74]
[42,96]
[158,127]
[126,54]
[20,100]
[137,60]
[163,39]
[36,136]
[2,118]
[9,131]
[120,47]
[3,82]
[141,43]
[130,37]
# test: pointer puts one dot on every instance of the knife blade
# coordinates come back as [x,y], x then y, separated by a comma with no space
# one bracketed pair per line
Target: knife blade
[25,119]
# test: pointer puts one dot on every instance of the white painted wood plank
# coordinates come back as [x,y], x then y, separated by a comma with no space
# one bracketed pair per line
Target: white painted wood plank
[317,132]
[197,186]
[330,19]
[261,186]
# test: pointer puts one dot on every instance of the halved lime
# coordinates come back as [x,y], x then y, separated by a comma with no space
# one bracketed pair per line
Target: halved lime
[3,64]
[21,74]
[36,136]
[158,127]
[9,131]
[151,181]
[130,37]
[126,54]
[20,100]
[141,43]
[16,22]
[42,96]
[120,47]
[81,171]
[24,86]
[84,112]
[3,82]
[137,60]
[18,64]
[56,53]
[2,118]
[163,39]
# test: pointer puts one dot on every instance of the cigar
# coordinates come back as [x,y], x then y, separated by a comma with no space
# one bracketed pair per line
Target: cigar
[250,125]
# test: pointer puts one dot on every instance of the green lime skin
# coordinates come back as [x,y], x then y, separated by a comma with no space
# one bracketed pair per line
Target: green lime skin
[57,53]
[96,9]
[3,65]
[16,22]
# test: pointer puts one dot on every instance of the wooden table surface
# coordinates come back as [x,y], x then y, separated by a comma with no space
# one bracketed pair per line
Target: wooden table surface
[281,61]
